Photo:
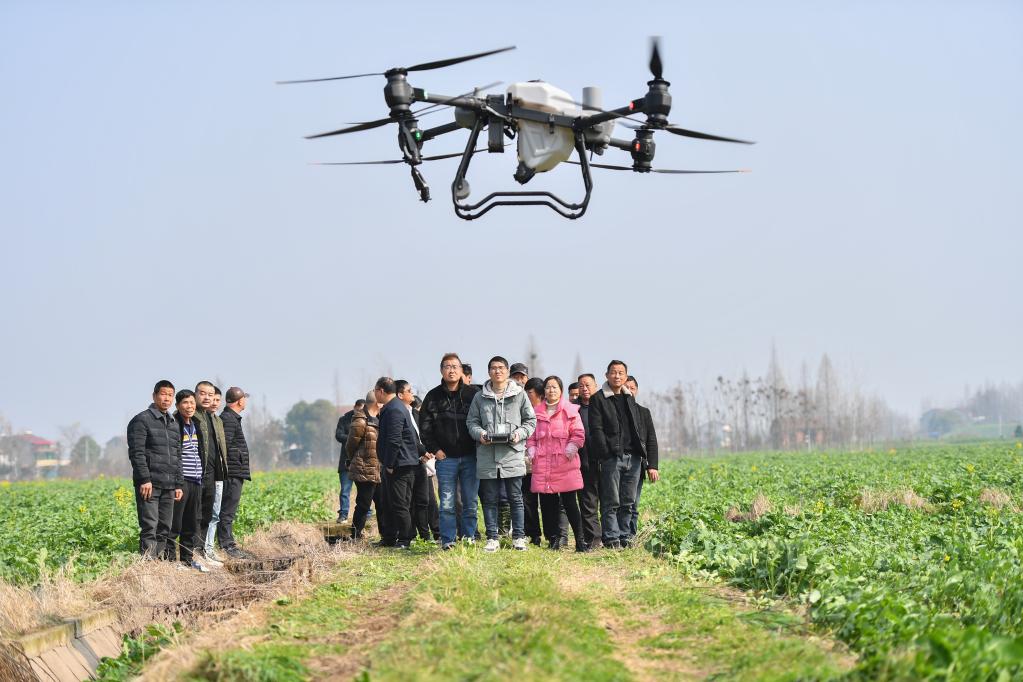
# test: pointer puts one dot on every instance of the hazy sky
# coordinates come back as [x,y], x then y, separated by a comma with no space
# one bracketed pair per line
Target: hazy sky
[160,217]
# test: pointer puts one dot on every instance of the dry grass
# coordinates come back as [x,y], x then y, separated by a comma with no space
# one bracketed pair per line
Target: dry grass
[999,499]
[158,591]
[871,501]
[761,505]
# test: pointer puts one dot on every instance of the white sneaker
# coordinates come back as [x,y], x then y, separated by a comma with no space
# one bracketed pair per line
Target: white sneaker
[492,546]
[199,566]
[519,544]
[214,563]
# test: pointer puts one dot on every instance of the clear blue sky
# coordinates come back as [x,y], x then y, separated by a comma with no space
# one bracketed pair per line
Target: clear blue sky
[160,218]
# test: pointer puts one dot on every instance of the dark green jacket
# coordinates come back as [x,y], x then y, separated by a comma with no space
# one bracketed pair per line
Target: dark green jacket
[213,451]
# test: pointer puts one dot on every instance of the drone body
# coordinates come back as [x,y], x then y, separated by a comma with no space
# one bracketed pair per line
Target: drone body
[546,123]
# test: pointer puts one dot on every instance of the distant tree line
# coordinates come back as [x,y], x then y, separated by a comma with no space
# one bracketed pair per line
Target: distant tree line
[817,411]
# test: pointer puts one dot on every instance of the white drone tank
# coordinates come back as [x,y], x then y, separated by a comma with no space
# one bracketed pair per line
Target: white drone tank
[539,147]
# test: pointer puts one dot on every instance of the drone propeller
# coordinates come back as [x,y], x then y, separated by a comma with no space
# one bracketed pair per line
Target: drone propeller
[687,133]
[389,161]
[655,58]
[659,170]
[425,66]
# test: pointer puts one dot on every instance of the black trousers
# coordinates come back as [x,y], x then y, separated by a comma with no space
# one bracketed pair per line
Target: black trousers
[550,509]
[382,501]
[531,510]
[209,492]
[402,483]
[364,494]
[589,502]
[155,518]
[184,533]
[425,514]
[228,510]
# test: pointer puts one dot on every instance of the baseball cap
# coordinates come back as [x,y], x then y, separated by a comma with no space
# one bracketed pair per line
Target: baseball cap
[234,394]
[518,368]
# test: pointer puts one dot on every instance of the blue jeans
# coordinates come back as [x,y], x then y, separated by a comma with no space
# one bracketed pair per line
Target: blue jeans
[345,497]
[490,494]
[457,473]
[619,479]
[212,532]
[633,526]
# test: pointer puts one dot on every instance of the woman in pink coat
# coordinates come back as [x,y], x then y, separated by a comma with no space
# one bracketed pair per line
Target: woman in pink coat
[554,451]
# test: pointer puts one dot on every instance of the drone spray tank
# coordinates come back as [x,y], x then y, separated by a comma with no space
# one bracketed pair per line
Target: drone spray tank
[599,136]
[541,146]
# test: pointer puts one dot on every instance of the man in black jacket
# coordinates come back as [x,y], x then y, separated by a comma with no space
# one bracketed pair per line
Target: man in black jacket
[589,496]
[618,438]
[398,452]
[344,424]
[154,448]
[444,433]
[651,448]
[237,470]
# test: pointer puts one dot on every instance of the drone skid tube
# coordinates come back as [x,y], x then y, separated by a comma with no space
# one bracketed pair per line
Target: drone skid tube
[563,208]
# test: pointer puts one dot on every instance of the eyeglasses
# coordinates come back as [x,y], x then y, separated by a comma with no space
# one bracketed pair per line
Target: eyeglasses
[446,367]
[498,368]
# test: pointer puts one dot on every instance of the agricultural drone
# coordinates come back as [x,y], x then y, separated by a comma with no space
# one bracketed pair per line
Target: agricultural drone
[547,124]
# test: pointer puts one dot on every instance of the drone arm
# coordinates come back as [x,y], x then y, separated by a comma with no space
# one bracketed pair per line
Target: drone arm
[431,133]
[636,106]
[618,143]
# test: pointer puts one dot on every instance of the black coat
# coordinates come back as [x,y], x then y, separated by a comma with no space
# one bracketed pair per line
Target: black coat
[442,421]
[237,448]
[605,433]
[344,425]
[397,443]
[154,448]
[586,460]
[651,437]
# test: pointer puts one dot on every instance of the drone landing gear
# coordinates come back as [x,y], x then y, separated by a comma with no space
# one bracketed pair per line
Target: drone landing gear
[460,187]
[421,186]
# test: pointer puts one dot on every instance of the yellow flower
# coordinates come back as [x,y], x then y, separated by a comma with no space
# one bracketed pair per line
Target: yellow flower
[692,478]
[1019,445]
[970,468]
[123,497]
[947,558]
[5,484]
[753,468]
[957,505]
[83,510]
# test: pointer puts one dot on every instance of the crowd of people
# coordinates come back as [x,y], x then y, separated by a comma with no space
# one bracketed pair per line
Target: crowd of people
[188,470]
[540,459]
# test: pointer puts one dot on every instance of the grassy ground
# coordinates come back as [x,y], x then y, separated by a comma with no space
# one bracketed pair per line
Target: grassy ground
[467,615]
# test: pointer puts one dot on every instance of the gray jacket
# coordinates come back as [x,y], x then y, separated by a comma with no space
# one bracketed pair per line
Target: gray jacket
[485,413]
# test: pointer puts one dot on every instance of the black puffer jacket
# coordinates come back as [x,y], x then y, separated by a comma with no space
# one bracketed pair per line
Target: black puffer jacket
[344,425]
[442,421]
[237,448]
[154,448]
[604,437]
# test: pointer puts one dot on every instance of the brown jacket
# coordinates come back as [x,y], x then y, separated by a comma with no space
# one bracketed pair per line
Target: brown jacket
[361,448]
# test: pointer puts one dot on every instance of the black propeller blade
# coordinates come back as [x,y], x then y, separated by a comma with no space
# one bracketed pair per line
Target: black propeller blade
[456,60]
[426,66]
[368,125]
[655,58]
[388,161]
[688,133]
[659,170]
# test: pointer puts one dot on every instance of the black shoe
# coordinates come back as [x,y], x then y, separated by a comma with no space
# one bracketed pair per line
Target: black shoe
[385,543]
[556,544]
[614,544]
[235,553]
[535,541]
[625,543]
[582,547]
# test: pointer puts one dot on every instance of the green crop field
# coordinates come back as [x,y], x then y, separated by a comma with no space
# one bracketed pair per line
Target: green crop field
[93,524]
[911,557]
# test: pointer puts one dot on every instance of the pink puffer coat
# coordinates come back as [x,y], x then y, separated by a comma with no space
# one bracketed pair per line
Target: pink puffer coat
[555,449]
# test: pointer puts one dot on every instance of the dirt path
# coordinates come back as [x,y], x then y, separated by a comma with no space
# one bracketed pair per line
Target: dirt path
[630,626]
